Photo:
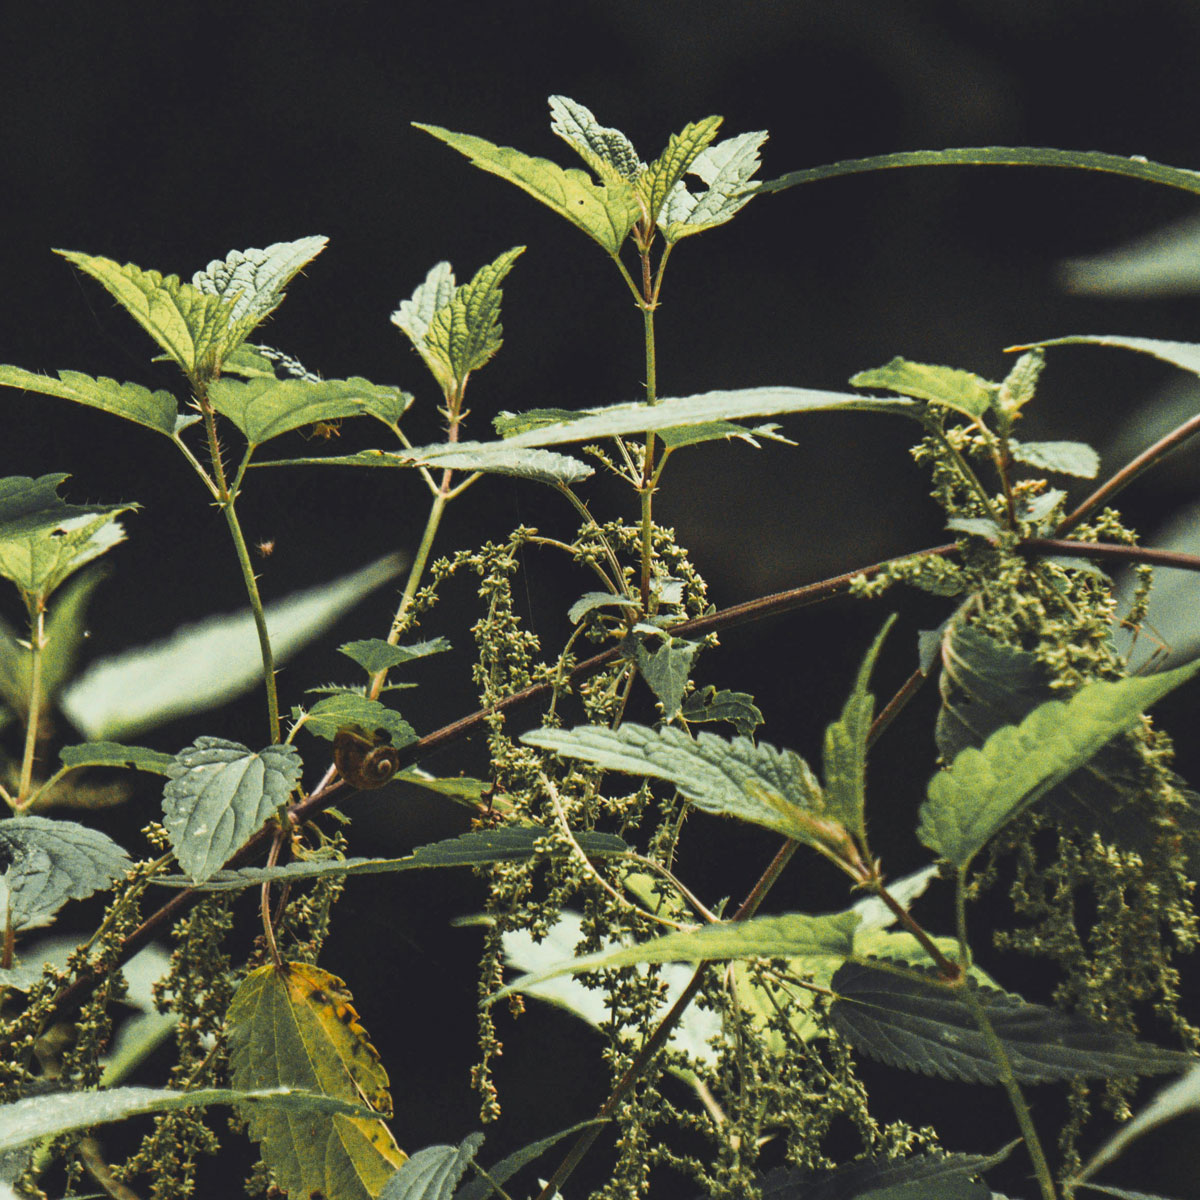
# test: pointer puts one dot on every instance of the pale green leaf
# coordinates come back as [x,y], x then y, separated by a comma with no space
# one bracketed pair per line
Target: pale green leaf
[351,709]
[113,754]
[252,281]
[590,601]
[415,314]
[998,156]
[605,214]
[845,757]
[464,334]
[657,182]
[252,361]
[709,704]
[983,527]
[295,1026]
[983,788]
[945,386]
[205,665]
[1180,1097]
[1163,263]
[506,843]
[156,410]
[726,169]
[793,935]
[38,1117]
[374,654]
[666,670]
[618,420]
[608,152]
[1179,354]
[1019,386]
[1066,458]
[433,1173]
[918,1025]
[49,862]
[759,784]
[221,792]
[195,329]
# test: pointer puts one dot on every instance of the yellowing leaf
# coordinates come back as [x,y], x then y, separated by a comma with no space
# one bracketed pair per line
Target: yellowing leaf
[295,1026]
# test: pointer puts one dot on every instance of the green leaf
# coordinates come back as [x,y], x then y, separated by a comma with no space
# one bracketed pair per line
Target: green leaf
[659,179]
[113,754]
[759,784]
[205,665]
[793,935]
[738,708]
[508,424]
[1067,458]
[375,655]
[43,539]
[507,843]
[920,1026]
[1180,1097]
[1179,354]
[998,156]
[713,431]
[945,386]
[195,329]
[49,862]
[263,408]
[983,788]
[845,759]
[351,709]
[156,410]
[219,794]
[295,1026]
[415,314]
[506,1168]
[608,152]
[1165,262]
[666,670]
[590,601]
[921,1177]
[38,1117]
[252,281]
[726,168]
[463,789]
[433,1173]
[1018,387]
[605,213]
[618,420]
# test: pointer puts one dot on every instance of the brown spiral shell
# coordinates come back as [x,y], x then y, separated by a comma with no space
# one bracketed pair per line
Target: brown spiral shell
[363,763]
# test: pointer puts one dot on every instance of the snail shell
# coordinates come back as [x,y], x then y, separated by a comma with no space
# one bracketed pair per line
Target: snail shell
[363,763]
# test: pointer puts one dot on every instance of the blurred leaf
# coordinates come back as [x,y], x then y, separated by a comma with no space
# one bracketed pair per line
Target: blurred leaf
[605,214]
[433,1173]
[38,1117]
[113,754]
[921,1026]
[252,281]
[374,654]
[220,793]
[156,410]
[998,156]
[1067,458]
[947,387]
[608,152]
[48,862]
[725,168]
[1163,263]
[738,708]
[205,665]
[983,788]
[295,1026]
[66,630]
[347,709]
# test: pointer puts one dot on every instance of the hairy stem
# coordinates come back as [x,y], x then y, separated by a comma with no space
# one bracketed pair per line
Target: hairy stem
[37,646]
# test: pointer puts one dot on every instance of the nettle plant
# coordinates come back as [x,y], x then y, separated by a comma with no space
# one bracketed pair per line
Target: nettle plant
[1056,794]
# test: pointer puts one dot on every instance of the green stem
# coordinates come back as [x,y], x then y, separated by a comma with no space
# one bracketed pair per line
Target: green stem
[648,480]
[37,644]
[1006,1077]
[260,617]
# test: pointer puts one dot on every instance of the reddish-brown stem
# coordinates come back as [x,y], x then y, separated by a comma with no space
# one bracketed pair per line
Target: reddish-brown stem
[1110,552]
[951,971]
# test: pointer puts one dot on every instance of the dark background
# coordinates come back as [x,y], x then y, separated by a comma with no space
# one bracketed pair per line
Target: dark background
[168,134]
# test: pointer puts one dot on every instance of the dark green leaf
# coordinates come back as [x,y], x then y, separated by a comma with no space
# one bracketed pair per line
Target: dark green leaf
[508,424]
[349,709]
[506,1168]
[374,654]
[666,670]
[113,754]
[156,410]
[845,758]
[1067,458]
[461,788]
[66,630]
[220,793]
[508,843]
[49,862]
[998,156]
[983,788]
[1180,354]
[921,1026]
[737,708]
[713,431]
[945,386]
[39,1117]
[433,1173]
[738,779]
